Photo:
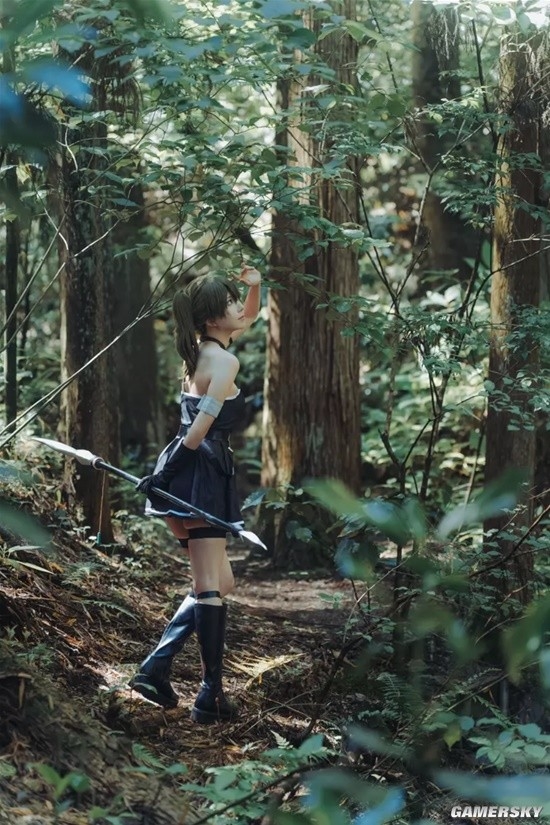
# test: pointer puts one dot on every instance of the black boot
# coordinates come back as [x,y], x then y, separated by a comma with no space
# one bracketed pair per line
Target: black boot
[211,704]
[153,678]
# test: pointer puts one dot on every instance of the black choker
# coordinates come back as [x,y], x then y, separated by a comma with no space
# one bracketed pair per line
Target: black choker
[210,338]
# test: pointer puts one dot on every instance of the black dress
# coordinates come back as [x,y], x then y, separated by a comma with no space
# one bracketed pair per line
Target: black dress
[210,483]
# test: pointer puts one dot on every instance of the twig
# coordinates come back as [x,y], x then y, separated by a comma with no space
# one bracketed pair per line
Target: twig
[251,795]
[277,798]
[481,79]
[325,690]
[515,547]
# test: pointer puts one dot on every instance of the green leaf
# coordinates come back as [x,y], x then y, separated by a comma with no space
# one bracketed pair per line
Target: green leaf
[498,497]
[544,662]
[55,75]
[415,518]
[452,734]
[466,723]
[357,30]
[28,14]
[157,10]
[177,769]
[388,518]
[335,782]
[536,752]
[523,640]
[80,782]
[145,756]
[225,778]
[48,774]
[529,730]
[385,811]
[21,123]
[427,616]
[312,746]
[301,38]
[7,770]
[533,19]
[336,497]
[372,741]
[23,525]
[506,790]
[503,14]
[124,202]
[279,8]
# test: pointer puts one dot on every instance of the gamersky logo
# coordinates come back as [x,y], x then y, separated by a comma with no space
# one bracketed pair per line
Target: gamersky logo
[494,812]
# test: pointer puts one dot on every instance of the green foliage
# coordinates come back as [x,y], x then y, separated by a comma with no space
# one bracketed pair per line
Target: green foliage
[523,642]
[516,747]
[238,793]
[63,787]
[23,524]
[152,765]
[75,784]
[499,497]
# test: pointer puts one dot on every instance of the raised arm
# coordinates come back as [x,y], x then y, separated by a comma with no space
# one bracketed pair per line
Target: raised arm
[253,279]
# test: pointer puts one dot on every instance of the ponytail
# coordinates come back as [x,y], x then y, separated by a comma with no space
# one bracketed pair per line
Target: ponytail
[204,298]
[186,341]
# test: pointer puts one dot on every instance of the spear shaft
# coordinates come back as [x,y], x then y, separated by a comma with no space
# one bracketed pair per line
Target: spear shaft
[86,457]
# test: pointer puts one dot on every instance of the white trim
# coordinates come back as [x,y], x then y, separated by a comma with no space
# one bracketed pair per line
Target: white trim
[192,395]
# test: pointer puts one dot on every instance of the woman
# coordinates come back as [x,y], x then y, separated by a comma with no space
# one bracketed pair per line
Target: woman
[197,467]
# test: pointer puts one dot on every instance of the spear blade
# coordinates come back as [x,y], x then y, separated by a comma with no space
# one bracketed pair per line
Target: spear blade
[82,456]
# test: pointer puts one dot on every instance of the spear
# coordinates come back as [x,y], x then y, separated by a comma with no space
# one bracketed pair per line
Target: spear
[88,458]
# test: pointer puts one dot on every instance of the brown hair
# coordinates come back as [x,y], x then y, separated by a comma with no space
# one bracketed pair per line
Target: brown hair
[202,300]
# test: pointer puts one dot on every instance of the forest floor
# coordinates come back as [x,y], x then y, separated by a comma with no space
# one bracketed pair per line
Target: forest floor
[79,619]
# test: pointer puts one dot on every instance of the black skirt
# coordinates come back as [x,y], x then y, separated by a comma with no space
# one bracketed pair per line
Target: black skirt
[209,484]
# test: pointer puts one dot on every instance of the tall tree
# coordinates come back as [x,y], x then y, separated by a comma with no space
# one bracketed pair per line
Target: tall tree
[311,413]
[435,71]
[11,266]
[516,282]
[13,236]
[89,405]
[135,354]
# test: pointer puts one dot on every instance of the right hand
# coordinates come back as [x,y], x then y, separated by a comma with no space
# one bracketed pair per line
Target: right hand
[182,456]
[145,484]
[250,276]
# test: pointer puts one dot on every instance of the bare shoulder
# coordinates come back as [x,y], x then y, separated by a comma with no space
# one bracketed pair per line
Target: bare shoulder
[225,362]
[224,368]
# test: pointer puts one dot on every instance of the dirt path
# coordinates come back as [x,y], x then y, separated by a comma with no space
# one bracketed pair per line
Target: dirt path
[284,637]
[82,618]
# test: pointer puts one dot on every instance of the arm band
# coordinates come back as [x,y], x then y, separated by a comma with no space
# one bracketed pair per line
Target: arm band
[210,405]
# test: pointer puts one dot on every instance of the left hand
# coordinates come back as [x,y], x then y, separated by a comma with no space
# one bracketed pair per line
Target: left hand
[250,276]
[144,484]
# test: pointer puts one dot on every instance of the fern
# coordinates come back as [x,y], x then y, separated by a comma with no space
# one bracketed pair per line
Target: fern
[466,689]
[399,699]
[145,757]
[111,606]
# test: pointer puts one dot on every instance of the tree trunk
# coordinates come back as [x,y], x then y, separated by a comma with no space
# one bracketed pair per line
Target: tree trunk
[13,239]
[542,471]
[311,413]
[12,266]
[515,286]
[436,50]
[135,354]
[89,404]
